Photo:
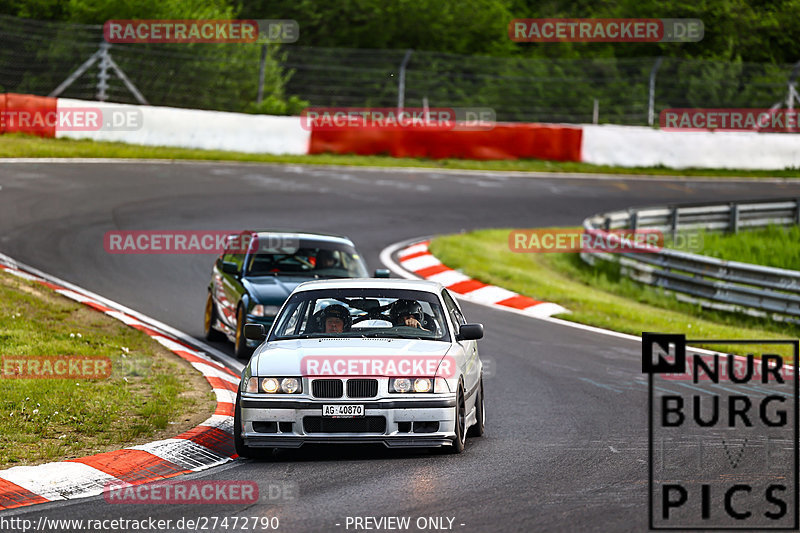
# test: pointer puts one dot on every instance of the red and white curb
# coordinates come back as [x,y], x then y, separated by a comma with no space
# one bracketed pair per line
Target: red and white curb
[208,445]
[415,258]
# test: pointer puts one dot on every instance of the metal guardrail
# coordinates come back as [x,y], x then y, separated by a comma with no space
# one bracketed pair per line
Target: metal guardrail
[715,283]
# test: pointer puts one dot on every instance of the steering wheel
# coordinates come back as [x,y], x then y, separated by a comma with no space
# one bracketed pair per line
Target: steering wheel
[372,314]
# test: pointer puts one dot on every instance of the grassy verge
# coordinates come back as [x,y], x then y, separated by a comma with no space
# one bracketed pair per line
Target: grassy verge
[595,296]
[150,393]
[773,246]
[17,145]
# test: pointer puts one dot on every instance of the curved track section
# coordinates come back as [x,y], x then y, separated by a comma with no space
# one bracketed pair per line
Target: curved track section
[566,444]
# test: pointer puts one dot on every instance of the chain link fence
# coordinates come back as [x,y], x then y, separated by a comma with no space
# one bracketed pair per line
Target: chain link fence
[37,57]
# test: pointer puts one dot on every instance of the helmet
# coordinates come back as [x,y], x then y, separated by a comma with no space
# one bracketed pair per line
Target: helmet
[323,256]
[340,312]
[406,307]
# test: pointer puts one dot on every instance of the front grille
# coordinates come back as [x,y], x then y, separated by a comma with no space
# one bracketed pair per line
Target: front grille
[367,424]
[362,388]
[327,388]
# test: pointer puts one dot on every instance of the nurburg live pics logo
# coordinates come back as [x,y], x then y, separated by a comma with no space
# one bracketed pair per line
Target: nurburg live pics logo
[722,434]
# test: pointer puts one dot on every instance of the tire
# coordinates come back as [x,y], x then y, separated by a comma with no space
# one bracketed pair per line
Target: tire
[240,348]
[459,440]
[242,450]
[479,428]
[209,319]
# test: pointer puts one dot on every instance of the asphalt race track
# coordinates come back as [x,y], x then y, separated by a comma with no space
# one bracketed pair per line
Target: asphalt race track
[566,437]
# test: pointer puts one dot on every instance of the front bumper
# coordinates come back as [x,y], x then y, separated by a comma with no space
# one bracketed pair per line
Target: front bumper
[409,422]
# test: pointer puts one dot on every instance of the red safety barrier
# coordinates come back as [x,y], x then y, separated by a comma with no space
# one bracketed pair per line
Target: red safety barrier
[25,113]
[506,141]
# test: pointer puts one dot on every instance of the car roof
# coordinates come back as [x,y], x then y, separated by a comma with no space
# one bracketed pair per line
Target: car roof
[329,237]
[372,283]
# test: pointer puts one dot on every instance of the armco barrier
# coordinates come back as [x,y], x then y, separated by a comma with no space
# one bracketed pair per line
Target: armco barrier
[206,130]
[504,141]
[18,111]
[626,146]
[727,285]
[633,146]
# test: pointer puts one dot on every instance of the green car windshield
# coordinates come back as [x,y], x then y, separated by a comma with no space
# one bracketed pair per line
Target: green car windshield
[313,261]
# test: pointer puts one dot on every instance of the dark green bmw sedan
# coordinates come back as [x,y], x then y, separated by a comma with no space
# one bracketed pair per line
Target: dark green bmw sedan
[259,270]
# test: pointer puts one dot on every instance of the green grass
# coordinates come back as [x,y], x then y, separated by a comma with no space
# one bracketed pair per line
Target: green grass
[773,246]
[18,145]
[149,394]
[595,296]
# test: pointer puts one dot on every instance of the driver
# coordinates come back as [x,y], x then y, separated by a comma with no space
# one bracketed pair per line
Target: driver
[407,313]
[325,259]
[336,319]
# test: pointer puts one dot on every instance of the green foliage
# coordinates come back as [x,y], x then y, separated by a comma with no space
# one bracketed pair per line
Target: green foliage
[53,419]
[274,105]
[349,54]
[594,296]
[757,31]
[774,246]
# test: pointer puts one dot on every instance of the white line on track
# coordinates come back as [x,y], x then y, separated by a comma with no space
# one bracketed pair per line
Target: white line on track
[414,170]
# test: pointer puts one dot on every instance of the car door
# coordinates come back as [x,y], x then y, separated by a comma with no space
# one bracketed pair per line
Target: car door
[231,284]
[472,362]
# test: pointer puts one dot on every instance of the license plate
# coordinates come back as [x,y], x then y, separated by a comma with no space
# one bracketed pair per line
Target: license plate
[342,410]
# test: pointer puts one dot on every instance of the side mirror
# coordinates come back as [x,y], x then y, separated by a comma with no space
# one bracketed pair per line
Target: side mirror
[470,332]
[381,273]
[255,332]
[230,268]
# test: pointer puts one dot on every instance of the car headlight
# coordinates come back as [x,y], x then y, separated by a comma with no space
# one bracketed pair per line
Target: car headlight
[264,310]
[270,385]
[290,385]
[402,385]
[422,385]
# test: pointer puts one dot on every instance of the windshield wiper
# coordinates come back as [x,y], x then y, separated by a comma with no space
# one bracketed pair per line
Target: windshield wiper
[394,336]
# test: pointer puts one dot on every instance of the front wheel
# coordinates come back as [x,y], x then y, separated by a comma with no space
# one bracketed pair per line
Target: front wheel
[461,420]
[240,348]
[209,319]
[242,450]
[480,414]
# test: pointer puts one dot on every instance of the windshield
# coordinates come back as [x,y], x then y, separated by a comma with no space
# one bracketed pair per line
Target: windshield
[312,261]
[365,313]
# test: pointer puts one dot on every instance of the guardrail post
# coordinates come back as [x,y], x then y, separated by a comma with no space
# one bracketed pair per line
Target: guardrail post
[634,219]
[797,211]
[673,222]
[733,223]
